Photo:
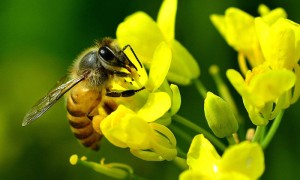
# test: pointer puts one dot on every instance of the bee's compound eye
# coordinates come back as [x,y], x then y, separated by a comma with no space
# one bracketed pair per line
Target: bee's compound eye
[106,53]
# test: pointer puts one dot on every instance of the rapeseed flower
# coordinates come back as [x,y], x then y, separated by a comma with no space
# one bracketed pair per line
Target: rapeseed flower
[145,35]
[238,29]
[240,161]
[142,126]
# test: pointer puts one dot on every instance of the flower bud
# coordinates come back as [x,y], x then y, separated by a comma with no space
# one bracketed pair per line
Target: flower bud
[219,116]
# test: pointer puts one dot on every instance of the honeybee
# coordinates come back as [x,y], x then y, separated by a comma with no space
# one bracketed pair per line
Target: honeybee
[88,85]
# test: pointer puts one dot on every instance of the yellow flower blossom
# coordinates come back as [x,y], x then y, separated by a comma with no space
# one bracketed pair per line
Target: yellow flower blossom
[238,29]
[144,35]
[146,139]
[142,126]
[260,89]
[240,161]
[271,45]
[280,42]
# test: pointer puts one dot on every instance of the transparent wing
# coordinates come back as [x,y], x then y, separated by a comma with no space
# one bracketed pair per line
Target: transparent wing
[49,100]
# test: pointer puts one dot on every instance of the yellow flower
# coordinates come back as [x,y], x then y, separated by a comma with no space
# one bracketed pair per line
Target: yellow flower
[238,29]
[274,83]
[241,161]
[271,44]
[146,139]
[280,42]
[140,124]
[145,35]
[261,88]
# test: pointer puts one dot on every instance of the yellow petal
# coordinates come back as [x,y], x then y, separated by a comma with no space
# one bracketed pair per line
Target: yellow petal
[279,42]
[219,22]
[156,106]
[202,156]
[233,176]
[166,18]
[142,33]
[254,114]
[268,86]
[237,81]
[246,158]
[162,145]
[296,92]
[193,175]
[165,133]
[237,27]
[240,29]
[176,99]
[274,15]
[124,128]
[159,67]
[184,66]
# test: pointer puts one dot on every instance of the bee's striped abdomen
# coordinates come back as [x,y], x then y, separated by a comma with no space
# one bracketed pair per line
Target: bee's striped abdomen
[82,104]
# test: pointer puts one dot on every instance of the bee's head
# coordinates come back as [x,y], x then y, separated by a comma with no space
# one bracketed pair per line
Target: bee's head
[113,59]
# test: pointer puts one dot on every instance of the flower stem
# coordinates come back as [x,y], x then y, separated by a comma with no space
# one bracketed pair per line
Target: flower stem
[136,177]
[181,154]
[231,140]
[258,133]
[200,87]
[224,91]
[272,130]
[200,130]
[186,137]
[181,133]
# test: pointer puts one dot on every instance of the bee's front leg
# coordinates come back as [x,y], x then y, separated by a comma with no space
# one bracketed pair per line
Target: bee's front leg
[126,93]
[121,74]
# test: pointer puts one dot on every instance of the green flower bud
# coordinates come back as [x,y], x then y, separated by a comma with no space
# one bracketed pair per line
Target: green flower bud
[219,116]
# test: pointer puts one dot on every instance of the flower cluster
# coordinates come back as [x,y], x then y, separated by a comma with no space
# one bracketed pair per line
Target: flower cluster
[270,43]
[141,126]
[268,53]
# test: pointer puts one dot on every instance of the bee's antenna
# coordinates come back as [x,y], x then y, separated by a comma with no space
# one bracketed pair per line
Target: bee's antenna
[125,47]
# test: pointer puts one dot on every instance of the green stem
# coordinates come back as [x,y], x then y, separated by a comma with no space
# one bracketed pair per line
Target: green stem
[181,163]
[200,130]
[181,154]
[231,140]
[272,130]
[184,136]
[200,87]
[224,91]
[136,177]
[181,133]
[258,133]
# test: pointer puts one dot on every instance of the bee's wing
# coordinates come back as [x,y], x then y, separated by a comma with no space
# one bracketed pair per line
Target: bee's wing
[49,100]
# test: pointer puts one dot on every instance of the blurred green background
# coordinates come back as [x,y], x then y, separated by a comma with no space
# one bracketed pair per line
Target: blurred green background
[40,39]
